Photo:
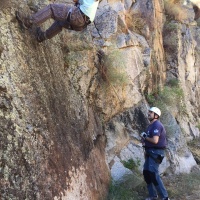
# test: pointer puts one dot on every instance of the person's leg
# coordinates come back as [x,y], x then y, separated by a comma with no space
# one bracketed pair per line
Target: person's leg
[58,12]
[150,187]
[160,187]
[72,20]
[147,177]
[53,30]
[155,177]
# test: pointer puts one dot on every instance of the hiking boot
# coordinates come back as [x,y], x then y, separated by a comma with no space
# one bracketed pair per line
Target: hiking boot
[152,198]
[40,35]
[23,19]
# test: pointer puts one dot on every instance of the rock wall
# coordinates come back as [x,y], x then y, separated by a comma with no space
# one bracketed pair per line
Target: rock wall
[52,142]
[72,108]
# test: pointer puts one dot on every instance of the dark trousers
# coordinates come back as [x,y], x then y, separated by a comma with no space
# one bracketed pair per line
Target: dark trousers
[151,173]
[65,16]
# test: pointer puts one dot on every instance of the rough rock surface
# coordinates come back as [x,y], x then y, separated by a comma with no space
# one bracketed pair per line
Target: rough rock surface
[72,108]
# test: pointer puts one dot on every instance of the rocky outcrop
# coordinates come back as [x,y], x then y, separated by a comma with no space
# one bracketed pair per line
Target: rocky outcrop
[52,142]
[72,108]
[179,39]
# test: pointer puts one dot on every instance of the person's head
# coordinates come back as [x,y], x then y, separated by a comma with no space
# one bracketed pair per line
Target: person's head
[154,113]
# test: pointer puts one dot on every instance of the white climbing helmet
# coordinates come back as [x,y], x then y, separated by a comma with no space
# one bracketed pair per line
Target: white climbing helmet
[155,110]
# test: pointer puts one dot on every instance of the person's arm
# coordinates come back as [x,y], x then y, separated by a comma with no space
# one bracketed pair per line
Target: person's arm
[153,140]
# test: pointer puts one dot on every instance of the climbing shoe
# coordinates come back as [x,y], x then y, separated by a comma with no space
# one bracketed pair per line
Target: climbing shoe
[24,20]
[40,35]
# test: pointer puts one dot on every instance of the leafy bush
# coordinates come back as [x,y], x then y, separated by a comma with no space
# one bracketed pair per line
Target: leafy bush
[171,26]
[133,188]
[173,82]
[131,164]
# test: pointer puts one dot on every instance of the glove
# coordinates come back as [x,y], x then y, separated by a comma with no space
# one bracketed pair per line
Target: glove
[143,134]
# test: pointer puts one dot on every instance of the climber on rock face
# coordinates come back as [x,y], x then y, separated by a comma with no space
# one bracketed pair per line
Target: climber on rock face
[74,17]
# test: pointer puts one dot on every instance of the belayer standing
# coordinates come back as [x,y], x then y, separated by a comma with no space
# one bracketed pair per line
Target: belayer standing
[154,141]
[74,17]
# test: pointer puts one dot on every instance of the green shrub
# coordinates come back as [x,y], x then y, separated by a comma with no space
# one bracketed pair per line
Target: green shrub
[131,189]
[131,164]
[119,192]
[171,26]
[169,96]
[173,82]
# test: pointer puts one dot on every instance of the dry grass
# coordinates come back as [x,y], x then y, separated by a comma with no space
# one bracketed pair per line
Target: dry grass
[112,68]
[174,10]
[194,147]
[134,21]
[179,187]
[183,186]
[5,4]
